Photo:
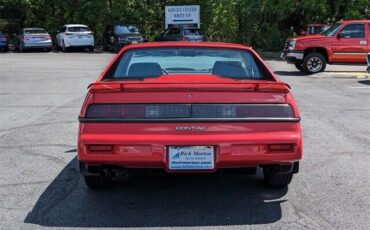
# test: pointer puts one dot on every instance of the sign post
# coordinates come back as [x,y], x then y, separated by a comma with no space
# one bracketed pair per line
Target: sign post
[182,15]
[368,62]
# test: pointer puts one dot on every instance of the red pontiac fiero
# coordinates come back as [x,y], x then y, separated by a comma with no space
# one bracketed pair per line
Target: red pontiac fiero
[188,108]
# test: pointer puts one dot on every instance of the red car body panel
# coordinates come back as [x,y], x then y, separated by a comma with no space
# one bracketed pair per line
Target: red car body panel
[145,144]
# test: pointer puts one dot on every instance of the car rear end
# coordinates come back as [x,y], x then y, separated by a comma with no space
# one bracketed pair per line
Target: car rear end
[78,36]
[189,123]
[36,38]
[3,42]
[193,35]
[127,35]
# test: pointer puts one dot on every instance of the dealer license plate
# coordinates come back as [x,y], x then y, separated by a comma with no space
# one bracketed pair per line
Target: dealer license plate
[191,158]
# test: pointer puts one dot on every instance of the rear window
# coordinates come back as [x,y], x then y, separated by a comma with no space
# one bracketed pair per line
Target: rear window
[192,32]
[78,29]
[35,31]
[125,29]
[138,64]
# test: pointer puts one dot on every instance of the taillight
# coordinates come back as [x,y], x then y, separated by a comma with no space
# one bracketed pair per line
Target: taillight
[100,148]
[137,111]
[280,147]
[190,111]
[243,111]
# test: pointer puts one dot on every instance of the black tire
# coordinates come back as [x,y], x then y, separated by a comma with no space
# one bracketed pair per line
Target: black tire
[116,48]
[97,182]
[299,66]
[314,63]
[91,49]
[64,48]
[275,179]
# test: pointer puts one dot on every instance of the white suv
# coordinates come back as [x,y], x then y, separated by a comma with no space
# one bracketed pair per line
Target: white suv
[75,35]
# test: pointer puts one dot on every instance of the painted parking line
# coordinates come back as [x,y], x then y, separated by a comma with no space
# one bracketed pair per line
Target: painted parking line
[360,87]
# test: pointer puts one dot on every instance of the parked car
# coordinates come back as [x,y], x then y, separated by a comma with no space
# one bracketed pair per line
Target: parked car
[118,36]
[315,29]
[181,34]
[75,36]
[345,42]
[33,38]
[188,107]
[4,43]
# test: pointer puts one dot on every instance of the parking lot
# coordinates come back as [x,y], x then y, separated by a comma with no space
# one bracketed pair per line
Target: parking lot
[40,98]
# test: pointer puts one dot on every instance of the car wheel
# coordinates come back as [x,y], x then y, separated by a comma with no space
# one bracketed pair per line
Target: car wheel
[314,63]
[21,49]
[105,47]
[276,179]
[64,48]
[299,66]
[116,48]
[96,182]
[91,49]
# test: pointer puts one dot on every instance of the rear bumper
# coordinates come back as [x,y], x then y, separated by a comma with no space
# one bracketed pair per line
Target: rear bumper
[232,150]
[47,44]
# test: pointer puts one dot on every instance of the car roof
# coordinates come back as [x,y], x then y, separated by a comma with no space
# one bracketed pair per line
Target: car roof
[354,21]
[34,28]
[190,44]
[75,25]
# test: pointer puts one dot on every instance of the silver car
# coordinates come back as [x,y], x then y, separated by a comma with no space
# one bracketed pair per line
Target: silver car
[182,34]
[34,38]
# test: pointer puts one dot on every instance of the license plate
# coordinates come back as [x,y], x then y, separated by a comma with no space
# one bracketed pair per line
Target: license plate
[191,157]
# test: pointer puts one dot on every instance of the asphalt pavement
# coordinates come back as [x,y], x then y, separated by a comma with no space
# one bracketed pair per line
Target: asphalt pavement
[40,186]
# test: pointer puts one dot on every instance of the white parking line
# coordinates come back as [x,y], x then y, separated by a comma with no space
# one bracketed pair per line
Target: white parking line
[360,87]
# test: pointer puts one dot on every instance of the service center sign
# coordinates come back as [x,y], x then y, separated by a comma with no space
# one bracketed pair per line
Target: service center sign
[182,15]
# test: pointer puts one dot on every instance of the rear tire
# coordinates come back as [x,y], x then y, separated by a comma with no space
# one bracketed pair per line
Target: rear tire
[314,63]
[91,49]
[299,66]
[97,182]
[64,48]
[276,179]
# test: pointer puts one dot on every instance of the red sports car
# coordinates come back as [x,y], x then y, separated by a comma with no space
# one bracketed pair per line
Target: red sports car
[188,108]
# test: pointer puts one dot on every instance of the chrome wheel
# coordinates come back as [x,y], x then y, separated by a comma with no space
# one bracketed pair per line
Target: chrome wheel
[314,64]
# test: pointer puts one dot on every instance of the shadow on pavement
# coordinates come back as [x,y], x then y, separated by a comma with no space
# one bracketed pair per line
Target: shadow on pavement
[154,201]
[290,73]
[365,82]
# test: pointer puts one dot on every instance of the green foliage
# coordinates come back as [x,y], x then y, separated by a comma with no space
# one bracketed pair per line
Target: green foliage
[264,24]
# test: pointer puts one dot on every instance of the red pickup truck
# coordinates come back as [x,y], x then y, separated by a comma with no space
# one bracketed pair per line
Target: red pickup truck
[346,42]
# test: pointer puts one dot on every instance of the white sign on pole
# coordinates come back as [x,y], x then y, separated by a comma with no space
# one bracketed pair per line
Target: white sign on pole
[177,15]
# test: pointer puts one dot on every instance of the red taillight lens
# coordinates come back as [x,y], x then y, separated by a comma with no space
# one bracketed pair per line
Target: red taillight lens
[280,147]
[100,148]
[191,111]
[243,111]
[115,111]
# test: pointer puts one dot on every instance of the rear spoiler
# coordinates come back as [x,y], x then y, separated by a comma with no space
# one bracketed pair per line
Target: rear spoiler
[106,87]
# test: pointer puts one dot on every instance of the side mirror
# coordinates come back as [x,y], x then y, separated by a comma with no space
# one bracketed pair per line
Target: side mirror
[342,35]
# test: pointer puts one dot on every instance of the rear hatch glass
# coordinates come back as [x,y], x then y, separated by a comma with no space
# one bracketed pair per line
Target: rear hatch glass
[138,64]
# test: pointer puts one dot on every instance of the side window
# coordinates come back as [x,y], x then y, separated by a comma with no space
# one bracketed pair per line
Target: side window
[354,31]
[63,29]
[174,31]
